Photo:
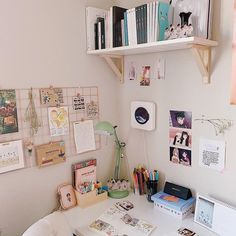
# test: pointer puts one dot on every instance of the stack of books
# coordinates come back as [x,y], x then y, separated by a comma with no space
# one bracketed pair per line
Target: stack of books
[146,23]
[122,27]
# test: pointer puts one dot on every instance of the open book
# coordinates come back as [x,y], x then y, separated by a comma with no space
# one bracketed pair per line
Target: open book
[115,222]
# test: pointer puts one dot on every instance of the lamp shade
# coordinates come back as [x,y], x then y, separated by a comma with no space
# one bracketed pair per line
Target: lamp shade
[105,128]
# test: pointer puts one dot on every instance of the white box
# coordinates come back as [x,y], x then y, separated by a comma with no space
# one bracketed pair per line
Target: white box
[172,205]
[170,211]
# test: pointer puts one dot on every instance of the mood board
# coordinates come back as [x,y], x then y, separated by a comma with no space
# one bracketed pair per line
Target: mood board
[36,118]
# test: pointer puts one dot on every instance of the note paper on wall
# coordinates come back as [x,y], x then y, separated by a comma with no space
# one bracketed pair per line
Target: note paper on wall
[84,136]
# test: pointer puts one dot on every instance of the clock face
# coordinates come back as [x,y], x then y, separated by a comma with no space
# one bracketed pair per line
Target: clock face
[141,115]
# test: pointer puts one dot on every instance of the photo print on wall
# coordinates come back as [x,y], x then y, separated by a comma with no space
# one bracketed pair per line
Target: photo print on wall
[180,156]
[180,137]
[159,68]
[132,70]
[8,112]
[181,119]
[145,76]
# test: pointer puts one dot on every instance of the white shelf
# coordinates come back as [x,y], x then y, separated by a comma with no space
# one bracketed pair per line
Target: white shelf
[201,49]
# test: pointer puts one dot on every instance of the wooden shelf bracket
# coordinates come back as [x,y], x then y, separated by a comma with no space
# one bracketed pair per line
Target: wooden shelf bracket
[116,63]
[202,55]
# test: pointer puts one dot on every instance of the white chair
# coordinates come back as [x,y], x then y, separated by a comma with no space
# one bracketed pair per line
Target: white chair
[54,224]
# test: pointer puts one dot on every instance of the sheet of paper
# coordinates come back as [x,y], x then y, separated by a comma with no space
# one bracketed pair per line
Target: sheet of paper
[212,154]
[58,121]
[84,136]
[11,156]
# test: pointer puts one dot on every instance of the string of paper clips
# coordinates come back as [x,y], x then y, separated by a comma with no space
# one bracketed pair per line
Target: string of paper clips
[220,125]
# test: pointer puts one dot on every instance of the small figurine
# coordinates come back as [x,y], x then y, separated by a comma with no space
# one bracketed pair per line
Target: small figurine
[167,34]
[189,30]
[29,146]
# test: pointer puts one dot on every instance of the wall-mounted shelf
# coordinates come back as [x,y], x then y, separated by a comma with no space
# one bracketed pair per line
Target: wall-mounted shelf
[201,49]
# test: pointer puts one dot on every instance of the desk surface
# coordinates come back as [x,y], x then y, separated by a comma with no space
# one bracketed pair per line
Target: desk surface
[80,218]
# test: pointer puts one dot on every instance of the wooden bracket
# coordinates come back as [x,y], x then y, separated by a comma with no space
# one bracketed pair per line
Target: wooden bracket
[116,63]
[202,56]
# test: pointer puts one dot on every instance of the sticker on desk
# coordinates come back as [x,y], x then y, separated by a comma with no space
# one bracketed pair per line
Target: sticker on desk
[124,205]
[186,232]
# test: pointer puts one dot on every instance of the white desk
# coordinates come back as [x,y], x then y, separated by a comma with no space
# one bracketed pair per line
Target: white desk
[80,218]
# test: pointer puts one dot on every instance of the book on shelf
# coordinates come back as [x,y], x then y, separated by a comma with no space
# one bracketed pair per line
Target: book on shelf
[117,15]
[101,33]
[115,222]
[126,29]
[94,18]
[143,24]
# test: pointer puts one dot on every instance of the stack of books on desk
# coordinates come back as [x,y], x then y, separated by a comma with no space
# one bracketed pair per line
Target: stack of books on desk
[173,205]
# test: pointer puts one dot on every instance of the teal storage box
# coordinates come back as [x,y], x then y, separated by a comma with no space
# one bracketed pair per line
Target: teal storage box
[173,205]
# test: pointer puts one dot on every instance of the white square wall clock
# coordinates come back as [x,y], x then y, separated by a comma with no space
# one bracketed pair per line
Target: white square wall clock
[143,115]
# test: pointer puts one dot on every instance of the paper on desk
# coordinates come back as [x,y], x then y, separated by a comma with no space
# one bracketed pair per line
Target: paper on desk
[84,136]
[212,154]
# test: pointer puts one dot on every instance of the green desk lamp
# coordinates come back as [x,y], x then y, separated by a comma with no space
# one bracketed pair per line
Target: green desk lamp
[106,128]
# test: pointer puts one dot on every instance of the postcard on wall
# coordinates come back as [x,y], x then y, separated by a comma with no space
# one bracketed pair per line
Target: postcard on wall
[180,137]
[50,153]
[51,96]
[92,110]
[132,70]
[78,103]
[181,119]
[181,156]
[11,156]
[84,136]
[159,68]
[145,76]
[212,154]
[8,112]
[58,121]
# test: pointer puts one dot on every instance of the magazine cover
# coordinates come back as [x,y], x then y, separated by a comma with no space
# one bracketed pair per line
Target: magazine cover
[86,174]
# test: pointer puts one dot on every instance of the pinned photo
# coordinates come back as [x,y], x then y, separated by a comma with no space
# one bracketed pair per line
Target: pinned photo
[145,77]
[124,205]
[180,156]
[181,119]
[78,103]
[186,232]
[160,65]
[132,70]
[180,137]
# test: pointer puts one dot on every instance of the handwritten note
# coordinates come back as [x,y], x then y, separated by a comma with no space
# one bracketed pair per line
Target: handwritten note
[212,154]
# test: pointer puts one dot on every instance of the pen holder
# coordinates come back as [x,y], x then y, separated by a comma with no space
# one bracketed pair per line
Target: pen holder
[151,188]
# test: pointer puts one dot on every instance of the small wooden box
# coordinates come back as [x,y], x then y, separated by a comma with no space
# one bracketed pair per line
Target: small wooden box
[90,198]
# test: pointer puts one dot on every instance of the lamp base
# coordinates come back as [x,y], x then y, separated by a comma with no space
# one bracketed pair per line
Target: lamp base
[118,193]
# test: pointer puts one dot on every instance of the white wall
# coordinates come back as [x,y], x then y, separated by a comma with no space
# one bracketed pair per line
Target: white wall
[183,90]
[43,43]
